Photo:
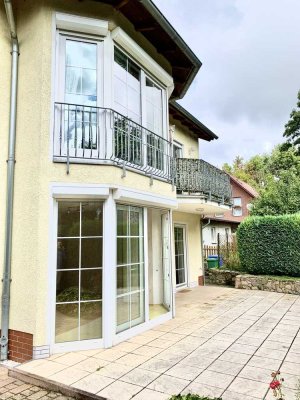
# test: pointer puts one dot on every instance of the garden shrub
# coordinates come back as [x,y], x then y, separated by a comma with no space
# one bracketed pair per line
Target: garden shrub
[270,245]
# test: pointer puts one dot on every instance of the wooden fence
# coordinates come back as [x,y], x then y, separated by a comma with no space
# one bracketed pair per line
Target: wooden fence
[210,251]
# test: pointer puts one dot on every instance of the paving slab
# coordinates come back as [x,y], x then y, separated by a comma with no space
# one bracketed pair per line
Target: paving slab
[223,343]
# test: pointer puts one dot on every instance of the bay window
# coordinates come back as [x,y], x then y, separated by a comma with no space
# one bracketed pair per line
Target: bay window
[131,128]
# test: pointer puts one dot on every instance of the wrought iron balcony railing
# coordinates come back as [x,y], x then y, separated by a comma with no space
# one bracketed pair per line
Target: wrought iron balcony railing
[90,134]
[197,177]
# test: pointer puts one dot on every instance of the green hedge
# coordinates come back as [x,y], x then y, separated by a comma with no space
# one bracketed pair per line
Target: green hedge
[270,245]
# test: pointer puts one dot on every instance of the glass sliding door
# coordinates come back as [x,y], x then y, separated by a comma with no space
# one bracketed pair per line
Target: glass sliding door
[130,267]
[79,271]
[180,255]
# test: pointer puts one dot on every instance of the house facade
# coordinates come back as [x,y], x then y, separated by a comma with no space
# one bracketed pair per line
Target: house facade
[101,215]
[225,224]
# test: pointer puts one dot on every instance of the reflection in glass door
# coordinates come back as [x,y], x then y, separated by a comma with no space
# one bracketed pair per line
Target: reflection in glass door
[79,271]
[130,267]
[180,256]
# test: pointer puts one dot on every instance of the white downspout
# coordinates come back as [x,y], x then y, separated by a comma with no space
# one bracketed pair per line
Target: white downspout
[10,181]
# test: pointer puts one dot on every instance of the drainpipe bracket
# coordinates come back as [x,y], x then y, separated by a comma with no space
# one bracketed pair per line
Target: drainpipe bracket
[3,341]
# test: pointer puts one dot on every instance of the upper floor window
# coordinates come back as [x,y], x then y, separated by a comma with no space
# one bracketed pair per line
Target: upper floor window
[137,96]
[177,150]
[213,235]
[79,71]
[237,202]
[237,210]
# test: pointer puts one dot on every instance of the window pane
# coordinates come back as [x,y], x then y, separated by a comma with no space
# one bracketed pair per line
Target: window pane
[66,322]
[67,286]
[91,285]
[134,70]
[135,223]
[179,248]
[67,253]
[237,201]
[91,253]
[123,304]
[81,54]
[92,219]
[123,280]
[68,219]
[181,276]
[89,85]
[120,58]
[136,277]
[137,308]
[135,250]
[122,256]
[73,80]
[90,320]
[122,221]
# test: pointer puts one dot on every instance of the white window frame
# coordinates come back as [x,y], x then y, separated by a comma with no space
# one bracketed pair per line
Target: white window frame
[237,210]
[179,146]
[213,234]
[128,325]
[83,192]
[237,202]
[80,269]
[185,245]
[59,96]
[145,74]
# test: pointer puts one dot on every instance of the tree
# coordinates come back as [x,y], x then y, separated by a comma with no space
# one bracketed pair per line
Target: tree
[276,177]
[281,195]
[292,128]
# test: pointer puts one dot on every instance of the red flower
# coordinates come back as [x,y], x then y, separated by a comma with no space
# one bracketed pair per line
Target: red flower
[274,384]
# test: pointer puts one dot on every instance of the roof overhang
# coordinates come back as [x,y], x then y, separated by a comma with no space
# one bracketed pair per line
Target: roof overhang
[189,121]
[151,23]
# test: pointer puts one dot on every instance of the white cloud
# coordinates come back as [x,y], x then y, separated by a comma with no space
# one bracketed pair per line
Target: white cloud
[250,76]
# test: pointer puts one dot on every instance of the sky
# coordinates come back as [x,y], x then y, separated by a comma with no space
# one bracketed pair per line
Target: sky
[248,83]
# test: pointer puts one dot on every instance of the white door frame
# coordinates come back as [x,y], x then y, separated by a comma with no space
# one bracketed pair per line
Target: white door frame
[82,192]
[184,284]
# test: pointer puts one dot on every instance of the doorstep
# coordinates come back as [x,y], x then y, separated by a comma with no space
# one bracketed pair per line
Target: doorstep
[54,386]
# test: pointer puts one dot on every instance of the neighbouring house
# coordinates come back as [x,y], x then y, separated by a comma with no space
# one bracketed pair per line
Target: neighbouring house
[102,201]
[227,223]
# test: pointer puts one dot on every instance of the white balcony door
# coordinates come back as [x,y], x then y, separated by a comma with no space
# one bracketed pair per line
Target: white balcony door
[180,255]
[78,119]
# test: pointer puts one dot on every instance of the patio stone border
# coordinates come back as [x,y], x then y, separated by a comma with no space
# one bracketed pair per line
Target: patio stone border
[48,384]
[223,277]
[267,283]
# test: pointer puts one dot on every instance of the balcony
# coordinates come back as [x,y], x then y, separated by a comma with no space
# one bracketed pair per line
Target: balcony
[95,135]
[200,183]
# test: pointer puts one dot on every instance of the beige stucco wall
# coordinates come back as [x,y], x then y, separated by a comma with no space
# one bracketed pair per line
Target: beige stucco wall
[188,140]
[194,248]
[34,168]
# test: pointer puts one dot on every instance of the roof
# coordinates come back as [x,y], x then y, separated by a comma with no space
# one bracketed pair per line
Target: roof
[193,124]
[151,23]
[249,189]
